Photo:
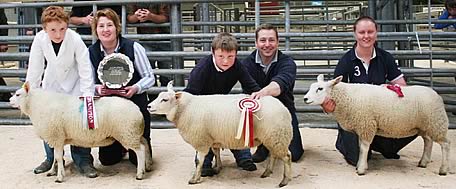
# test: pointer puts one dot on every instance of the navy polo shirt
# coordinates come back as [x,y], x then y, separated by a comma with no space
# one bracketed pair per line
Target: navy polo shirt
[382,68]
[205,79]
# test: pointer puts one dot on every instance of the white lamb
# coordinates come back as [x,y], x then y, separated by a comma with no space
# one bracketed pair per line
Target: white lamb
[370,110]
[57,120]
[211,121]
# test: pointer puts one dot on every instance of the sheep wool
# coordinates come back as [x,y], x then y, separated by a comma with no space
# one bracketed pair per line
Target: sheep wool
[211,121]
[370,110]
[57,120]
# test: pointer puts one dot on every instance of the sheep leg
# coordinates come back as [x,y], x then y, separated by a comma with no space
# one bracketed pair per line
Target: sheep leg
[362,165]
[286,169]
[268,171]
[148,154]
[140,156]
[58,156]
[199,167]
[426,157]
[445,167]
[53,171]
[218,161]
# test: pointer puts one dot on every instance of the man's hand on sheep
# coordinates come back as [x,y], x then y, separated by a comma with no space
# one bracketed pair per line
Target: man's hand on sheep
[273,89]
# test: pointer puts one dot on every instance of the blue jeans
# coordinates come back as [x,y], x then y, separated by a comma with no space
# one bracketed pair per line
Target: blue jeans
[239,155]
[81,156]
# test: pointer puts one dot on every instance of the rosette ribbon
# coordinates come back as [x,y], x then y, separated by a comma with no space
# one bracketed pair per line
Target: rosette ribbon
[89,115]
[247,107]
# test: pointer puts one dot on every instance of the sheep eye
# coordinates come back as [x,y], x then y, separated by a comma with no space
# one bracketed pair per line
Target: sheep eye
[319,89]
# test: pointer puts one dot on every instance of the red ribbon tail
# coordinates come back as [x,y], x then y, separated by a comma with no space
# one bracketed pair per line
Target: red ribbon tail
[251,127]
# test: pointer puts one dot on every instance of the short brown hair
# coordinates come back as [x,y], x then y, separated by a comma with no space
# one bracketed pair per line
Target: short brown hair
[110,14]
[450,4]
[224,41]
[266,27]
[54,13]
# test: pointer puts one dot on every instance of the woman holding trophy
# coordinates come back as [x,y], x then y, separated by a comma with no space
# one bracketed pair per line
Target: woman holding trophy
[122,69]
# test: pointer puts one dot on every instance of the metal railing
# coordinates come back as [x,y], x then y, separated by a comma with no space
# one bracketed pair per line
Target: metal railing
[292,42]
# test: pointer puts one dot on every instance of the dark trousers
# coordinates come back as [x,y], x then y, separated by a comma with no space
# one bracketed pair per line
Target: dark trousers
[239,155]
[348,145]
[112,154]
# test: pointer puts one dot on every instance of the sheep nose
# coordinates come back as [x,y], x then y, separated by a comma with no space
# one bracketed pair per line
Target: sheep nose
[305,99]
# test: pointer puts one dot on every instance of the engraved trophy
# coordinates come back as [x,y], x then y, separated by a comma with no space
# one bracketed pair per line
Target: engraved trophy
[114,72]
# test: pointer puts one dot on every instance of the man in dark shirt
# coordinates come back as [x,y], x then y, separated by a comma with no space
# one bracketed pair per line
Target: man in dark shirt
[275,72]
[217,74]
[157,13]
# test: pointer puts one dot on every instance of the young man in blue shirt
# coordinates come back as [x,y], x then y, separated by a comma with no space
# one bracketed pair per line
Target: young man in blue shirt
[217,74]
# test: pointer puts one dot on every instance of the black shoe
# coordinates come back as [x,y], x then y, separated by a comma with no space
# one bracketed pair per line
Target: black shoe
[247,165]
[45,166]
[208,172]
[391,155]
[260,154]
[88,170]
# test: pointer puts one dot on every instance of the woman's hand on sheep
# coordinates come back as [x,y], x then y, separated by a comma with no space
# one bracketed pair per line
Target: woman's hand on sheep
[328,105]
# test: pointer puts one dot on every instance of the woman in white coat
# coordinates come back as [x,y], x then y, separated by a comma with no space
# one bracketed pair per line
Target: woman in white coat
[60,54]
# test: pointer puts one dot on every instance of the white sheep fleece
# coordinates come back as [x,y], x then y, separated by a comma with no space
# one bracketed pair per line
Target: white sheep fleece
[57,120]
[360,106]
[211,121]
[370,110]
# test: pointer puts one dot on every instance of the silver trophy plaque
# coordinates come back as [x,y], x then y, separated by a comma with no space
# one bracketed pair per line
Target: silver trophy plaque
[115,71]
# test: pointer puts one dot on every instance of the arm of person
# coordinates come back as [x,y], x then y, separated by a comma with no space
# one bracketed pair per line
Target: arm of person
[36,62]
[248,84]
[273,89]
[86,20]
[144,69]
[282,82]
[444,16]
[85,69]
[198,76]
[394,74]
[143,15]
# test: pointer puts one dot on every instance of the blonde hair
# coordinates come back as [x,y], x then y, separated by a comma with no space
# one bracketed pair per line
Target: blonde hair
[54,13]
[111,15]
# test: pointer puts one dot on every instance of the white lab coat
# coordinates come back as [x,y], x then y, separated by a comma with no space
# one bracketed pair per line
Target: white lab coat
[69,72]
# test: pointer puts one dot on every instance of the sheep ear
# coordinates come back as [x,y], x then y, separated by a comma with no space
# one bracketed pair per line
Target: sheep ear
[170,86]
[337,80]
[26,86]
[320,78]
[178,96]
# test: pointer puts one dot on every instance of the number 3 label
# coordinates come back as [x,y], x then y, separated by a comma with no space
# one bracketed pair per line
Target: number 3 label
[357,72]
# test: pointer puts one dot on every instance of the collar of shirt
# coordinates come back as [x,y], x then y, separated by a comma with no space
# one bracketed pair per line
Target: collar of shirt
[374,54]
[115,51]
[366,66]
[259,61]
[215,65]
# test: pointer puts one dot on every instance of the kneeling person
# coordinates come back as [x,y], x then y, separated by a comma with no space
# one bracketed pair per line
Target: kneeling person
[217,74]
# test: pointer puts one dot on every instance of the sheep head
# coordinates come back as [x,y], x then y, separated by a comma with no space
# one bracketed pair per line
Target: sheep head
[319,90]
[165,103]
[18,100]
